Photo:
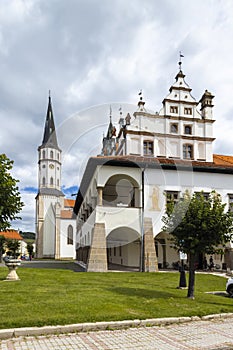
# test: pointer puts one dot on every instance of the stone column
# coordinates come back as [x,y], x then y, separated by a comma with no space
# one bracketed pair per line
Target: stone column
[150,257]
[97,260]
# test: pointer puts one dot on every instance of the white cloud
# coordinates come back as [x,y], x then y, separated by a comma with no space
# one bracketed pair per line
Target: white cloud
[92,53]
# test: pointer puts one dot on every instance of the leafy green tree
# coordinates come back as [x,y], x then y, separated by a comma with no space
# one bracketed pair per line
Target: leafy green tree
[198,225]
[10,201]
[2,246]
[13,247]
[30,249]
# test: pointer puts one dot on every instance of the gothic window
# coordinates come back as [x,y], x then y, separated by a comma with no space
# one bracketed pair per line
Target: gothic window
[51,154]
[58,156]
[148,148]
[174,109]
[188,130]
[70,234]
[43,154]
[43,181]
[174,128]
[51,180]
[187,151]
[57,182]
[187,110]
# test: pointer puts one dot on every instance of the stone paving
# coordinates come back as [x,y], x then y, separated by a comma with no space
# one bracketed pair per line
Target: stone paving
[207,335]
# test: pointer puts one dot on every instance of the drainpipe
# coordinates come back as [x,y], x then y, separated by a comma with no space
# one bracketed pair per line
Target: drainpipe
[142,267]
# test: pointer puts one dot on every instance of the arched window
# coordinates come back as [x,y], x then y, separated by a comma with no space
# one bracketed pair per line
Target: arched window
[70,235]
[51,154]
[57,182]
[51,180]
[58,156]
[43,181]
[188,129]
[43,154]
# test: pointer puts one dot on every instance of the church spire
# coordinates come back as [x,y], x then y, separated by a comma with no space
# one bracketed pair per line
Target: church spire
[50,137]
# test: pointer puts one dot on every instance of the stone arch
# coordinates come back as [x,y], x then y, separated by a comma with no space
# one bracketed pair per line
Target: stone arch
[124,248]
[121,190]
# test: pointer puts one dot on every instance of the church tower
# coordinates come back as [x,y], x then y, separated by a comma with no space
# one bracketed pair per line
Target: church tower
[49,199]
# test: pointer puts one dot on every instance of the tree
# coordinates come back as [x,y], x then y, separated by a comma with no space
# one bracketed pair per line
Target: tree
[10,201]
[2,246]
[13,247]
[30,249]
[198,225]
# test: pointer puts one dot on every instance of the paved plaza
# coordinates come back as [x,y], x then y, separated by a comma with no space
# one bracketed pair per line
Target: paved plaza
[209,335]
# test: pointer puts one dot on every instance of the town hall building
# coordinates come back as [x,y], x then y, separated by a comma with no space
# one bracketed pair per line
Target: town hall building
[147,160]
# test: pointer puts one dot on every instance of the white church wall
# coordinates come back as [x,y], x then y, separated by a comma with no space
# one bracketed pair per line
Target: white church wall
[49,230]
[67,250]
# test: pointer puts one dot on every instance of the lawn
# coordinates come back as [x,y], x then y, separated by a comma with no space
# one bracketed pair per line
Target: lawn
[50,297]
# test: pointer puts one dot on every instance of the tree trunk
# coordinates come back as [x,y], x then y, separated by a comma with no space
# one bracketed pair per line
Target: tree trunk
[191,276]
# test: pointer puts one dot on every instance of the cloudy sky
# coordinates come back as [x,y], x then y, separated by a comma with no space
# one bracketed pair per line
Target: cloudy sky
[95,53]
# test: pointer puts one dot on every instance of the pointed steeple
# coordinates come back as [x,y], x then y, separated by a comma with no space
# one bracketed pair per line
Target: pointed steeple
[50,137]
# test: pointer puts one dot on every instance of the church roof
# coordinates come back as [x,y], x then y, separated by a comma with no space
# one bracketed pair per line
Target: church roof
[11,234]
[50,137]
[67,214]
[220,164]
[51,192]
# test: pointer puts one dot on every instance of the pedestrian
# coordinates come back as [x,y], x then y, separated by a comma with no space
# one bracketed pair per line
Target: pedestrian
[211,265]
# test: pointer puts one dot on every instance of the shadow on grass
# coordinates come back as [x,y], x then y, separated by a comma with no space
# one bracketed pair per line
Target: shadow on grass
[52,265]
[139,292]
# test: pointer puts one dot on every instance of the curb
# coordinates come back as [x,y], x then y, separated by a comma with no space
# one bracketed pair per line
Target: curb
[102,326]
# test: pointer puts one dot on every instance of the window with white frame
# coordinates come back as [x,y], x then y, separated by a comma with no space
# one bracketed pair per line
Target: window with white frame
[187,151]
[174,109]
[148,148]
[188,129]
[174,128]
[230,201]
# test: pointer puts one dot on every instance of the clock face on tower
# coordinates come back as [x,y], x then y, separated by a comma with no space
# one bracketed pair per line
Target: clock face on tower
[51,166]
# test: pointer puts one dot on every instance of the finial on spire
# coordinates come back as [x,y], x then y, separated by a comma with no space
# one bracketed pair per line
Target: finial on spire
[141,103]
[180,61]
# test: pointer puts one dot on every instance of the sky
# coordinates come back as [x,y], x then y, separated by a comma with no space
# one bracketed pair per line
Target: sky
[95,53]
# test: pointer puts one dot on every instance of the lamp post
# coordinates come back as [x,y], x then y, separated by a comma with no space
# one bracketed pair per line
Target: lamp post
[182,283]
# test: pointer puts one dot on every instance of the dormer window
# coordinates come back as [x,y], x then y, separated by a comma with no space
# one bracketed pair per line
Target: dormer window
[174,128]
[188,111]
[174,109]
[188,130]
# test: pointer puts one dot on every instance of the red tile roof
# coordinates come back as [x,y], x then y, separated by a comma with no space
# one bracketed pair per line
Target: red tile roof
[69,202]
[223,160]
[11,234]
[67,214]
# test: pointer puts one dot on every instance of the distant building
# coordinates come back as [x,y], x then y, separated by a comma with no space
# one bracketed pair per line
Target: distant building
[55,220]
[122,194]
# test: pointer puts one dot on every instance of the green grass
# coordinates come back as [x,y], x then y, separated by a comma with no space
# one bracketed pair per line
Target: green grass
[50,297]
